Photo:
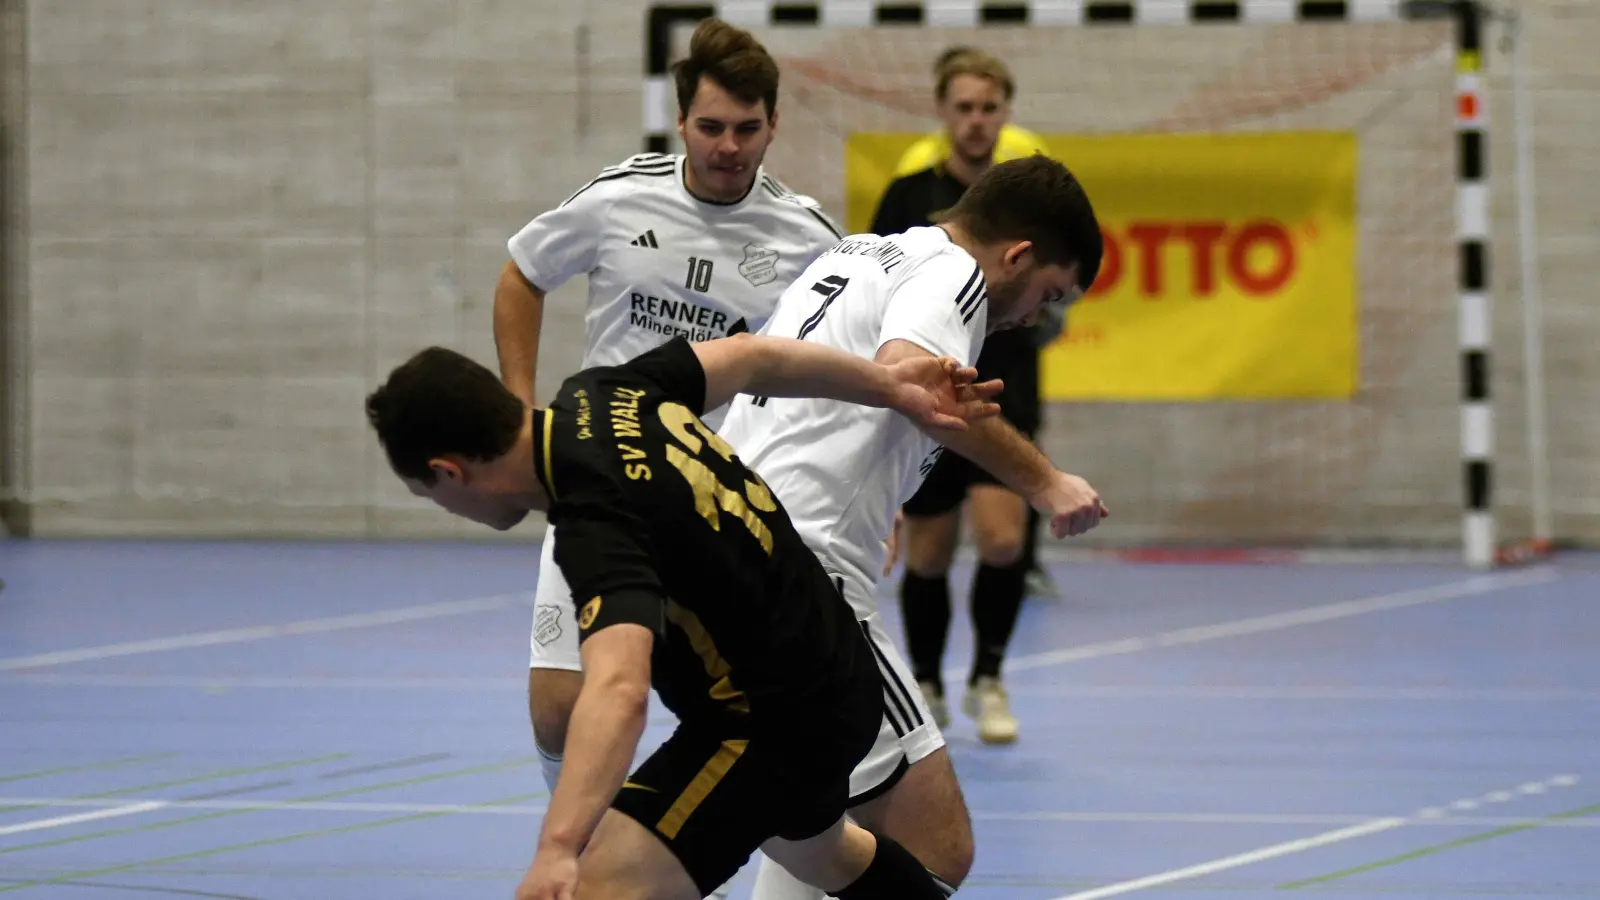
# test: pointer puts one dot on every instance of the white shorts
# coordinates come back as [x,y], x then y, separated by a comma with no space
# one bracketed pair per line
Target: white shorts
[554,641]
[907,735]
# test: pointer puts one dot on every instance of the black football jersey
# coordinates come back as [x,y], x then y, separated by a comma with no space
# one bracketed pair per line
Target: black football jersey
[659,524]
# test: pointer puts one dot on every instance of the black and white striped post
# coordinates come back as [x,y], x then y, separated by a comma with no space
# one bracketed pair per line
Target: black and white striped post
[1472,191]
[1472,231]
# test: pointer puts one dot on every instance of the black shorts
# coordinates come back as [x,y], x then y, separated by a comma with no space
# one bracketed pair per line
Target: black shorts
[1010,355]
[714,794]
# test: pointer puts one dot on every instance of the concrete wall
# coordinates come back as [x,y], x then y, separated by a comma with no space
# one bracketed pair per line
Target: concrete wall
[239,215]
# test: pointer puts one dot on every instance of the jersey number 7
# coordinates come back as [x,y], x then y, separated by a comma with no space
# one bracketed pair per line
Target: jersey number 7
[710,494]
[830,288]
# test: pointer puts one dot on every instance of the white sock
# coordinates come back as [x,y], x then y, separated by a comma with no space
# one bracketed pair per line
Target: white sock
[773,882]
[550,766]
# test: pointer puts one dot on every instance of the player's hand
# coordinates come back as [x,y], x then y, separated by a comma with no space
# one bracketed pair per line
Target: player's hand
[892,545]
[937,393]
[553,876]
[1073,506]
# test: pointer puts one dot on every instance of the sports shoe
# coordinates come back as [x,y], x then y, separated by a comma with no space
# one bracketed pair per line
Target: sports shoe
[987,703]
[1041,585]
[933,695]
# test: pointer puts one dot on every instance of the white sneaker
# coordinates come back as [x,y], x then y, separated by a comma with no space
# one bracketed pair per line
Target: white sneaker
[987,703]
[1041,585]
[934,697]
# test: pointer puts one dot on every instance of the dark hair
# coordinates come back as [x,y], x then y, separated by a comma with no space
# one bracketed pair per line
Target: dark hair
[972,62]
[1034,199]
[439,402]
[732,58]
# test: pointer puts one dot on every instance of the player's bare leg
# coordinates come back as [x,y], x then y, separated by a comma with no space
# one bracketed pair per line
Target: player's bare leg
[552,693]
[999,522]
[848,862]
[624,861]
[924,813]
[929,545]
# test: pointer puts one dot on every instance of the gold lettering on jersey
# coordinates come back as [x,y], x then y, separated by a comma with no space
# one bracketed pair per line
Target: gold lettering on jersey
[701,481]
[625,412]
[585,414]
[711,495]
[717,668]
[681,422]
[760,495]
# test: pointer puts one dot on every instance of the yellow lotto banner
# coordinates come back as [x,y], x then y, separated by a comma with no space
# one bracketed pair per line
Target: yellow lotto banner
[1230,265]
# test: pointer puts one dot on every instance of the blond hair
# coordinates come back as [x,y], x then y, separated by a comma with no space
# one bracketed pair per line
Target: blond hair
[967,61]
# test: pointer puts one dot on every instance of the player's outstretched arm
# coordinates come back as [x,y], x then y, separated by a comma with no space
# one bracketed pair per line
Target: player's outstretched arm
[518,319]
[934,392]
[993,443]
[602,736]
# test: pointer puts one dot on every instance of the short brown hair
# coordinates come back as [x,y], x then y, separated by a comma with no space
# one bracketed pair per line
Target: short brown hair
[1034,199]
[732,58]
[440,402]
[967,61]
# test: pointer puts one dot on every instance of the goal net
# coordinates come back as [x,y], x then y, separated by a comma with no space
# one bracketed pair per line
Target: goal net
[1379,467]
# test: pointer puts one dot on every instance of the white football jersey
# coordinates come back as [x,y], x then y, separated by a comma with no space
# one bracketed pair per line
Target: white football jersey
[663,263]
[841,470]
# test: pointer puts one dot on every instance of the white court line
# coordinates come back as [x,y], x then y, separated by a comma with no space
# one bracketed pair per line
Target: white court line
[1243,859]
[312,682]
[1327,612]
[265,632]
[1268,692]
[1091,691]
[75,818]
[1299,845]
[1423,818]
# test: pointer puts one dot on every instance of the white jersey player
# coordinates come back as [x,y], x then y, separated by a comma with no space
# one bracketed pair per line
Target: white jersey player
[1021,237]
[663,262]
[699,245]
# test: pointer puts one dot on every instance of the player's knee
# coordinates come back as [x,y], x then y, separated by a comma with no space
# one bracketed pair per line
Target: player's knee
[552,693]
[999,546]
[956,854]
[999,525]
[930,544]
[926,814]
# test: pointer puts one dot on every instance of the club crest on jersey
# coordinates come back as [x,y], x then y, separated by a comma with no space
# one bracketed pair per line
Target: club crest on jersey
[760,265]
[546,624]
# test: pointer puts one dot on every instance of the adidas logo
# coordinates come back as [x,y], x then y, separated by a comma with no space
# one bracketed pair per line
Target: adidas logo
[648,239]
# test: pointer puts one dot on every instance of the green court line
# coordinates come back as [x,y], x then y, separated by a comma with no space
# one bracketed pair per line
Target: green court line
[1441,847]
[222,814]
[88,767]
[263,842]
[209,776]
[221,773]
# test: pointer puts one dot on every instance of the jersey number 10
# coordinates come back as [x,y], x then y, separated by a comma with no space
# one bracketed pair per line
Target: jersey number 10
[699,277]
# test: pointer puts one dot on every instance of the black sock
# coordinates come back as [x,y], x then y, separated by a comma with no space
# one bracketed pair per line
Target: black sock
[925,609]
[895,874]
[996,599]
